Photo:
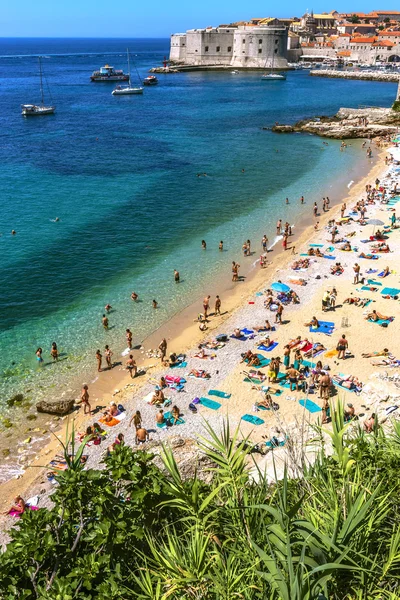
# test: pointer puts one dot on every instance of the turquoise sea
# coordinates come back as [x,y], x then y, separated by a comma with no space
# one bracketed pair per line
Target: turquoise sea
[121,175]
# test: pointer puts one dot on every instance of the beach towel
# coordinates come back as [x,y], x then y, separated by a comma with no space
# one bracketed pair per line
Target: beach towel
[310,406]
[263,361]
[253,380]
[168,417]
[380,321]
[59,465]
[148,398]
[247,331]
[252,419]
[270,444]
[330,256]
[219,394]
[210,403]
[180,365]
[339,385]
[369,257]
[121,416]
[368,288]
[111,423]
[390,291]
[307,347]
[330,249]
[316,245]
[372,282]
[383,274]
[161,425]
[324,327]
[242,338]
[268,348]
[370,271]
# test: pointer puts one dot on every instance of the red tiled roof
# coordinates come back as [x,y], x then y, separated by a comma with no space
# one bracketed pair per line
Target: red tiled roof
[384,43]
[344,35]
[397,33]
[363,40]
[387,12]
[344,53]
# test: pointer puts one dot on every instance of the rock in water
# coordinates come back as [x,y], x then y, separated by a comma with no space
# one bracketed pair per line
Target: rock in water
[58,407]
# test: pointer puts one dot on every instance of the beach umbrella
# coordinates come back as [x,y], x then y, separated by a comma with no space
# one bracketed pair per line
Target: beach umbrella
[375,222]
[280,287]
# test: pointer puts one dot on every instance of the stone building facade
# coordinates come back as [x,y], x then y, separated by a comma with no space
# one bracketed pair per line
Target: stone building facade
[239,47]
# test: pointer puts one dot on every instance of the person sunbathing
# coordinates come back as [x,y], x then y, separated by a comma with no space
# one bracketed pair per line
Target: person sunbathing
[346,247]
[349,413]
[317,347]
[158,397]
[385,272]
[267,342]
[253,374]
[266,327]
[303,344]
[250,358]
[314,323]
[201,353]
[18,507]
[200,374]
[337,269]
[237,333]
[162,383]
[379,235]
[294,342]
[376,316]
[268,301]
[113,410]
[267,402]
[294,297]
[383,352]
[369,423]
[363,255]
[175,414]
[311,252]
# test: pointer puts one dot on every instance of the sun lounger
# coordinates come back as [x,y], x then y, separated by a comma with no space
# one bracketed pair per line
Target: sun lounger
[210,403]
[252,419]
[390,291]
[310,406]
[219,394]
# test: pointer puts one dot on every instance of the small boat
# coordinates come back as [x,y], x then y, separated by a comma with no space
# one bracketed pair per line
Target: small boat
[126,90]
[35,110]
[108,73]
[273,76]
[150,80]
[235,72]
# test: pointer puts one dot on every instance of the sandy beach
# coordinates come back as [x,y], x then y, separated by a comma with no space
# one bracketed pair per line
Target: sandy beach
[243,308]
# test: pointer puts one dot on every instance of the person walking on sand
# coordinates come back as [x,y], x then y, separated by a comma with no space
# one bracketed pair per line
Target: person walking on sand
[108,354]
[99,359]
[217,308]
[206,306]
[131,366]
[105,322]
[235,271]
[163,349]
[342,346]
[141,436]
[85,400]
[279,312]
[136,420]
[128,336]
[356,270]
[284,242]
[176,276]
[342,209]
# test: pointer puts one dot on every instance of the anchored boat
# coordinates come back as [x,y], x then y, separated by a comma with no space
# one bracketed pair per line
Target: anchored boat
[34,110]
[125,90]
[150,80]
[108,73]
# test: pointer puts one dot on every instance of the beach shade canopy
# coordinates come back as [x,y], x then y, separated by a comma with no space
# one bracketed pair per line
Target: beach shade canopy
[375,222]
[280,287]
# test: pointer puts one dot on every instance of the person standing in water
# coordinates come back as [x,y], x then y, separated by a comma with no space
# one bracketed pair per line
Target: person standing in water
[264,243]
[105,322]
[176,276]
[278,227]
[315,209]
[54,351]
[108,354]
[155,304]
[128,336]
[99,359]
[134,296]
[221,246]
[203,244]
[39,352]
[85,400]
[302,200]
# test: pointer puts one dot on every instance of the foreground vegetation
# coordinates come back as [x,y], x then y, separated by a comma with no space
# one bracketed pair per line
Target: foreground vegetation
[133,531]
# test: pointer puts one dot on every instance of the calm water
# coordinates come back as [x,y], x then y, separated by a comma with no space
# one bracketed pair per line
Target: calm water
[120,173]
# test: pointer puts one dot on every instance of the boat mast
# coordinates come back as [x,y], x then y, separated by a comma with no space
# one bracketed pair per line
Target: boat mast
[41,81]
[129,68]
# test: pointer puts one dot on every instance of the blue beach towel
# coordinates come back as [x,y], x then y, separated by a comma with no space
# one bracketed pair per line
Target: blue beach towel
[168,416]
[252,419]
[247,331]
[269,348]
[372,282]
[210,403]
[310,406]
[161,425]
[242,338]
[343,388]
[316,245]
[326,327]
[180,365]
[372,271]
[219,394]
[390,292]
[330,256]
[367,288]
[380,321]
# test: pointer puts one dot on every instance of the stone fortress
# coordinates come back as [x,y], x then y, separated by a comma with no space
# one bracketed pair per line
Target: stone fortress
[237,47]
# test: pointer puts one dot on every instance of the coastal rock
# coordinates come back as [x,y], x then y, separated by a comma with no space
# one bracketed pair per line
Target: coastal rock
[348,123]
[58,407]
[363,75]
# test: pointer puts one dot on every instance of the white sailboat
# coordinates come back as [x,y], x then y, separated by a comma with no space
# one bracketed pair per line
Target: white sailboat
[271,76]
[125,90]
[34,109]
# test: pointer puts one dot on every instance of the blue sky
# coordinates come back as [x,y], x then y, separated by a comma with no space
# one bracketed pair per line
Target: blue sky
[157,18]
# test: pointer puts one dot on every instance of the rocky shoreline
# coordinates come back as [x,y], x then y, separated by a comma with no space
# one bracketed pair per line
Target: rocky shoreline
[348,123]
[362,75]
